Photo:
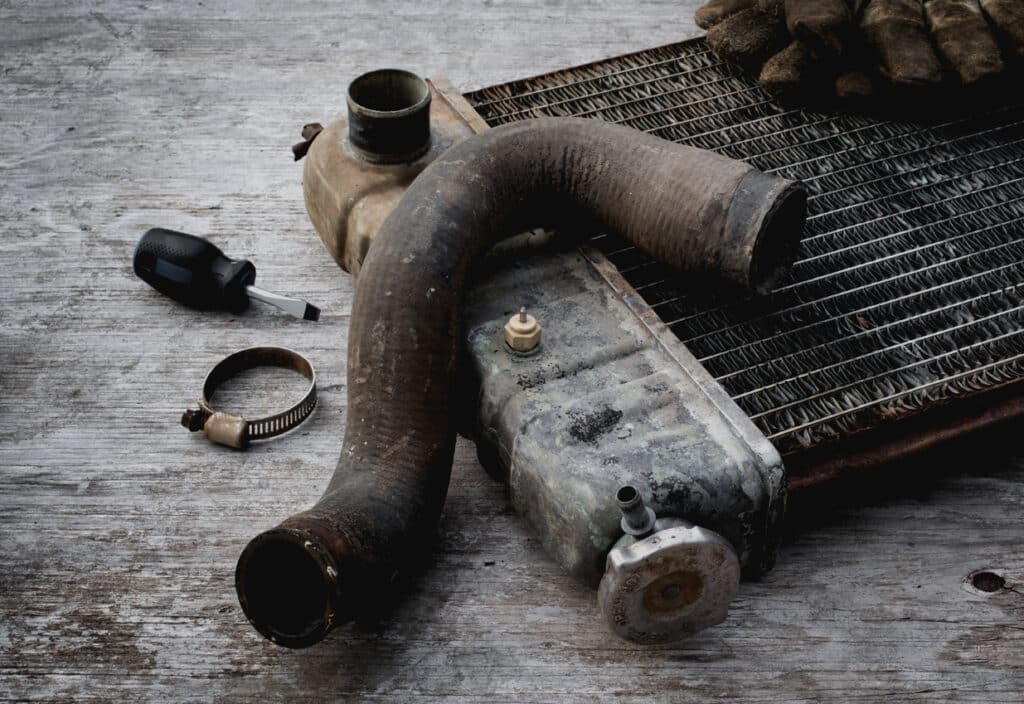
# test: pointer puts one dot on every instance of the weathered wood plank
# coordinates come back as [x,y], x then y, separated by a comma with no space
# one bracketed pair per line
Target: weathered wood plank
[119,532]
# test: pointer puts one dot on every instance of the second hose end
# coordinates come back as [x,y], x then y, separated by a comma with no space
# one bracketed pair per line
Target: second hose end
[288,581]
[762,230]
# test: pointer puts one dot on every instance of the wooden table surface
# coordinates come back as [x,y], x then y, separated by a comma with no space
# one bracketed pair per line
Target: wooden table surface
[119,531]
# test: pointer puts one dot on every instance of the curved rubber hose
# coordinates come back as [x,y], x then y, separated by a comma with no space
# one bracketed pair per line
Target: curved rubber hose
[693,209]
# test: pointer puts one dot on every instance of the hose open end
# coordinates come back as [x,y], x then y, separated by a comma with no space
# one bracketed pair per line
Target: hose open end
[287,581]
[765,221]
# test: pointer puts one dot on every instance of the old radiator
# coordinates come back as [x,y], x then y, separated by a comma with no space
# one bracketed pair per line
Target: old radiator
[652,394]
[901,323]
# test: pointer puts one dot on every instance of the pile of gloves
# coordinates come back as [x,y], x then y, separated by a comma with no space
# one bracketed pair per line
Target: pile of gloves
[860,49]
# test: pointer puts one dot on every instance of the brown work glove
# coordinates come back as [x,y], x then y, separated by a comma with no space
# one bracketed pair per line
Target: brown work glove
[1007,17]
[816,49]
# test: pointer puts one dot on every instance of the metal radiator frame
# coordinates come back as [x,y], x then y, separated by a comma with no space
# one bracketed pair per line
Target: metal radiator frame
[874,447]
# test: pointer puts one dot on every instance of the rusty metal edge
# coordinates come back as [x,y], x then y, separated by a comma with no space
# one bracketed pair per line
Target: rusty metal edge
[883,445]
[457,102]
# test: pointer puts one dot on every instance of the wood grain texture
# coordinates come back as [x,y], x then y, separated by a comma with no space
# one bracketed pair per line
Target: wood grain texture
[119,531]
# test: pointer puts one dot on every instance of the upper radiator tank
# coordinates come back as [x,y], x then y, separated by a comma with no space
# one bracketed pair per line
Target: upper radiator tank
[359,166]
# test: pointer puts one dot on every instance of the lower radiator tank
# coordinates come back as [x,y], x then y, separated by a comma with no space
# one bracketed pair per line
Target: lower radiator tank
[607,405]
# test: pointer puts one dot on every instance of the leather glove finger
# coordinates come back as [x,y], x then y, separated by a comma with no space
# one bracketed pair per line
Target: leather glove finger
[795,71]
[748,36]
[896,31]
[1007,16]
[824,25]
[963,39]
[717,10]
[854,85]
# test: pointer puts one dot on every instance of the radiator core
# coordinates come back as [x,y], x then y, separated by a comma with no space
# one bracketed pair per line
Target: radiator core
[908,291]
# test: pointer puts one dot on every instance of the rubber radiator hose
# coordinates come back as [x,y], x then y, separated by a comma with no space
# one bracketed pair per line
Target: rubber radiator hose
[695,210]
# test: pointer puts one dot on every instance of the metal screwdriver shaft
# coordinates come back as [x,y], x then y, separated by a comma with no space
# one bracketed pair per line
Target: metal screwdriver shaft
[293,306]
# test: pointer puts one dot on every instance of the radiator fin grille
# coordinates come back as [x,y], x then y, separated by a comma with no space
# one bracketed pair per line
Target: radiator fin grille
[909,287]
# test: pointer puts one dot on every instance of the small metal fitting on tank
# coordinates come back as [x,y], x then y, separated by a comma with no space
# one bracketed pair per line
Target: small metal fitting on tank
[522,333]
[666,578]
[637,519]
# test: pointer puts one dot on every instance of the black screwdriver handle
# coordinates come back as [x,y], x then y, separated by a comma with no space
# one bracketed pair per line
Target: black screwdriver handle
[192,271]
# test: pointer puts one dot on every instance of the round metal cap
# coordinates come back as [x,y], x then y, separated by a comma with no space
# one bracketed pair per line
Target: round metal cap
[669,585]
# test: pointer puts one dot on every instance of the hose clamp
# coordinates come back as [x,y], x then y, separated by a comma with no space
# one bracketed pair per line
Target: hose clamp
[234,430]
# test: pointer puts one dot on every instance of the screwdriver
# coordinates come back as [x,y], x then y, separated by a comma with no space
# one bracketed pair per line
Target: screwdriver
[195,272]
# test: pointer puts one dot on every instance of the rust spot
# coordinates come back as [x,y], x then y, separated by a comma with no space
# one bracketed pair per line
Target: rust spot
[673,591]
[588,427]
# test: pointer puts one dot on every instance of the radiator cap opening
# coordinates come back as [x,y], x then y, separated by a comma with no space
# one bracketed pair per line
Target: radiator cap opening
[389,116]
